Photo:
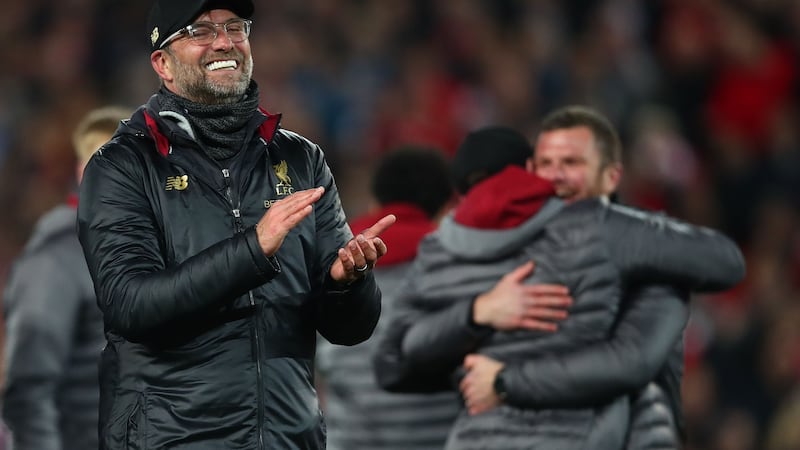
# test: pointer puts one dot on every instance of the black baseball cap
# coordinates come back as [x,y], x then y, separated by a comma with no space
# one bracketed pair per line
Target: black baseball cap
[168,16]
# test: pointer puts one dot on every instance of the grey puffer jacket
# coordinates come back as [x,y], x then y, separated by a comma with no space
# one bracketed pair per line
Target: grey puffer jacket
[653,420]
[358,413]
[54,336]
[595,249]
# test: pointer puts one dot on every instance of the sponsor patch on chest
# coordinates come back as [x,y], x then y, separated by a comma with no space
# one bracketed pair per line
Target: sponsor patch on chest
[177,183]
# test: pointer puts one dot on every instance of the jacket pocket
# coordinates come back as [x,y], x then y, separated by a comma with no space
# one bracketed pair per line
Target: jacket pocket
[125,428]
[134,426]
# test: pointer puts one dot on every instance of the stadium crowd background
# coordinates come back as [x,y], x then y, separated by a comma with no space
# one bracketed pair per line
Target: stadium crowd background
[704,92]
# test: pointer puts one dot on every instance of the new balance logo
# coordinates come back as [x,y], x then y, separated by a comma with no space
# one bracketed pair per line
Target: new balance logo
[177,183]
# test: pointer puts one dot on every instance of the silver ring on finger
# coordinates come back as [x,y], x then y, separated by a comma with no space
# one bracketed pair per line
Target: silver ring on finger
[362,269]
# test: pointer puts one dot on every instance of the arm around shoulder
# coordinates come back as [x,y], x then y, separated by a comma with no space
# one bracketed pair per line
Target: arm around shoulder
[421,350]
[654,248]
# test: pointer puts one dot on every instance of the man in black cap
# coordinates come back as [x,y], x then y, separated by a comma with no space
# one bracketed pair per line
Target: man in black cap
[218,248]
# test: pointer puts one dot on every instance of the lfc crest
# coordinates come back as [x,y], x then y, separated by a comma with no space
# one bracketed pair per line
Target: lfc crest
[284,186]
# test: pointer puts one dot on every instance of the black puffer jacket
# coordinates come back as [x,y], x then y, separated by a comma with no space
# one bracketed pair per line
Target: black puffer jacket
[210,344]
[597,250]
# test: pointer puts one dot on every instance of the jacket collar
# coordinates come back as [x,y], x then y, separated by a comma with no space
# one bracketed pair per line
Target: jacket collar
[165,126]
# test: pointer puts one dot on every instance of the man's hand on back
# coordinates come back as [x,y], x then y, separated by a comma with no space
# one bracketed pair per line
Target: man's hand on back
[512,305]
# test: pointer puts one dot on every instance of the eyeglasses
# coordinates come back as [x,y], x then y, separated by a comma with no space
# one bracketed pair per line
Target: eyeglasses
[204,33]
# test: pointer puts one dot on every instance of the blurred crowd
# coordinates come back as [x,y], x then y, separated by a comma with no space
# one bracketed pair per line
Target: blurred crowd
[704,93]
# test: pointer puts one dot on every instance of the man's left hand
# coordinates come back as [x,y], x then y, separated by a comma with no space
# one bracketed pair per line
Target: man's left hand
[477,387]
[361,253]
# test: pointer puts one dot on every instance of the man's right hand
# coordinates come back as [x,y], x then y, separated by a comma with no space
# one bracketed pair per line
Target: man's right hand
[284,215]
[512,305]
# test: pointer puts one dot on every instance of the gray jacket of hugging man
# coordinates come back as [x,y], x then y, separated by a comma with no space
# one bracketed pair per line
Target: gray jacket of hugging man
[568,389]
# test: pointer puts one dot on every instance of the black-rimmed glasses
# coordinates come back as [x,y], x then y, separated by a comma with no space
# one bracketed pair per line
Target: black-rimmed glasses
[204,33]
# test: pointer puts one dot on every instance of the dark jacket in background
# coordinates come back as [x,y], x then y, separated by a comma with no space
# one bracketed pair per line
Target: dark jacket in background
[359,414]
[595,249]
[211,344]
[54,336]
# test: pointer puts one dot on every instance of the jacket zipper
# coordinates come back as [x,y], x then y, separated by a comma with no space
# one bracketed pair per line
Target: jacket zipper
[239,227]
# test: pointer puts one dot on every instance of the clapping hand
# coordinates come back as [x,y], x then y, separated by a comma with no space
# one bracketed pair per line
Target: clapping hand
[361,253]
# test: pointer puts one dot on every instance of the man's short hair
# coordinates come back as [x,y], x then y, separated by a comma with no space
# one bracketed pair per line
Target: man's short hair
[104,121]
[413,174]
[605,135]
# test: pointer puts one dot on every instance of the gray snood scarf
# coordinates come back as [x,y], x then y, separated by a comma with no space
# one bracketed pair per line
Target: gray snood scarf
[219,129]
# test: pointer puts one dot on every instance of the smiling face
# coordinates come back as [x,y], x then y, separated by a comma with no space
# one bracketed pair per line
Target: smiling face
[216,73]
[570,159]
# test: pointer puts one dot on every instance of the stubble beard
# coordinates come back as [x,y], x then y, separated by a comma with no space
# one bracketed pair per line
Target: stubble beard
[565,191]
[195,84]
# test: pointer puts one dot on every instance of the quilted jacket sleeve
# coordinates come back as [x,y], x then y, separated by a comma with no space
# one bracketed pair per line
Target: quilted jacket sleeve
[428,334]
[421,350]
[645,334]
[650,247]
[120,236]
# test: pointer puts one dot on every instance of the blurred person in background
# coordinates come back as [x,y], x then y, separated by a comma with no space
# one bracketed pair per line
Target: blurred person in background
[412,183]
[591,374]
[578,150]
[54,329]
[218,248]
[783,433]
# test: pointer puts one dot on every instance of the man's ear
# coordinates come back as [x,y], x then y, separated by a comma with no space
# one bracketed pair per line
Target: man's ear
[611,178]
[530,166]
[162,64]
